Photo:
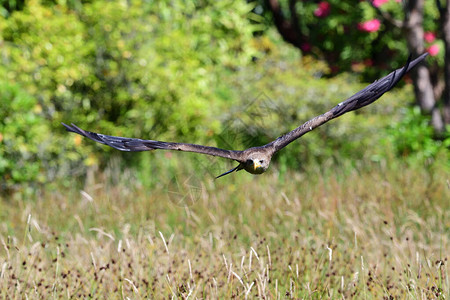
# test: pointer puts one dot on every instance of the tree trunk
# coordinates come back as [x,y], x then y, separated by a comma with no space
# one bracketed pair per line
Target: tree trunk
[445,15]
[423,88]
[285,27]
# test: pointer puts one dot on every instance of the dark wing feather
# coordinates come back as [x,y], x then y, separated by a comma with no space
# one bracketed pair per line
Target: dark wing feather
[131,144]
[362,98]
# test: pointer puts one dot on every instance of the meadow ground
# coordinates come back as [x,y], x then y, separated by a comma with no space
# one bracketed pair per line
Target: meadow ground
[340,233]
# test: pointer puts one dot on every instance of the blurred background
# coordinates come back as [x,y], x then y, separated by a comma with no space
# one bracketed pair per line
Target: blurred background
[356,209]
[186,71]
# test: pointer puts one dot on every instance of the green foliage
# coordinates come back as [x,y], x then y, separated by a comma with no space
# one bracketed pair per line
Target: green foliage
[337,34]
[171,70]
[112,61]
[413,138]
[22,135]
[128,68]
[8,6]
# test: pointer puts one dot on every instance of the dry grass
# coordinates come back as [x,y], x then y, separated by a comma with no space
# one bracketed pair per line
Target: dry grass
[322,234]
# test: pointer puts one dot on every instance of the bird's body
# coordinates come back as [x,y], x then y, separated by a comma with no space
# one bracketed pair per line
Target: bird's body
[256,160]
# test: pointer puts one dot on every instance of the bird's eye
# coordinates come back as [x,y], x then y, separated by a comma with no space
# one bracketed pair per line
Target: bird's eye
[261,161]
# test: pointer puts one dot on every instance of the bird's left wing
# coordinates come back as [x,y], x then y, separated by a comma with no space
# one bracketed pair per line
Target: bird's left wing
[132,144]
[362,98]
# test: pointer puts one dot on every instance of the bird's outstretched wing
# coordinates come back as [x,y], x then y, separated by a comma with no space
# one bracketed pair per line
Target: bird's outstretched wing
[131,144]
[362,98]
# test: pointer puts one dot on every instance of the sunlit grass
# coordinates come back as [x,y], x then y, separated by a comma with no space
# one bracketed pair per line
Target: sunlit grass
[336,232]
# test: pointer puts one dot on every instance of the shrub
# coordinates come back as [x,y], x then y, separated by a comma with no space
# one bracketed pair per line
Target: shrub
[23,132]
[413,138]
[125,68]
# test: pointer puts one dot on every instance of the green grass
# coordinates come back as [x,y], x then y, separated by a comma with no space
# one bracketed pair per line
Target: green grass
[331,232]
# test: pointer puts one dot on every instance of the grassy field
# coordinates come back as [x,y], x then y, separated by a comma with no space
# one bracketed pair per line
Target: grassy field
[330,232]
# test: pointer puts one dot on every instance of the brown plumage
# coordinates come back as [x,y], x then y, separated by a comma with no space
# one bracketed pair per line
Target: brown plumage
[256,160]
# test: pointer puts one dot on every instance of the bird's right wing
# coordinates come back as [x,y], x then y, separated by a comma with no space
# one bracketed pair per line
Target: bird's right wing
[362,98]
[133,144]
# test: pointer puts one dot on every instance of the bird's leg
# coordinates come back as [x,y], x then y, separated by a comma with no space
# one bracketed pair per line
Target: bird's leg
[239,167]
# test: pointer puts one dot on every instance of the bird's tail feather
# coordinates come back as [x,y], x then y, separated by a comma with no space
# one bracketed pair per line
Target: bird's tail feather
[239,167]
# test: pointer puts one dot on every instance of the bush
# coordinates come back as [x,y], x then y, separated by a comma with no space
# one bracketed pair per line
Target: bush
[125,68]
[413,138]
[171,70]
[23,132]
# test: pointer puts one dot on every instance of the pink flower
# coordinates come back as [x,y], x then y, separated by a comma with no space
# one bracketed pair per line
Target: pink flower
[429,37]
[306,47]
[370,26]
[334,69]
[378,3]
[323,9]
[433,49]
[368,62]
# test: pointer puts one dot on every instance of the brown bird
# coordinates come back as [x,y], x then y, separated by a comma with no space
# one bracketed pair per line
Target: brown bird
[256,160]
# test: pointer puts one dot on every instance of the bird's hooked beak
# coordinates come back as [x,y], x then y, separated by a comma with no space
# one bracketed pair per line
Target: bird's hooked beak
[256,165]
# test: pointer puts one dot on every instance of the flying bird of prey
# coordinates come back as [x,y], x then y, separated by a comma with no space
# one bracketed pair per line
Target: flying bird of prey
[256,160]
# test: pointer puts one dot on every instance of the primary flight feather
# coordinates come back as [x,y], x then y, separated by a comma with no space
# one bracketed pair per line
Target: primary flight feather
[256,160]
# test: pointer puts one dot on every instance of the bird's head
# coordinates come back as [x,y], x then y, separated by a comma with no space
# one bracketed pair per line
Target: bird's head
[257,164]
